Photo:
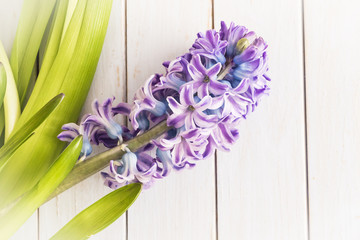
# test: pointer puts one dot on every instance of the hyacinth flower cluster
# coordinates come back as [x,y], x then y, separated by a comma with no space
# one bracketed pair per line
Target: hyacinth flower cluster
[202,97]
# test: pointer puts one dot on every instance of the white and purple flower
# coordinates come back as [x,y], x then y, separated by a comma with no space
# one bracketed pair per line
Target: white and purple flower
[203,97]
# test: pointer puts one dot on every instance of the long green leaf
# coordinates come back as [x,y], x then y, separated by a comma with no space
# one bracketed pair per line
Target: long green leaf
[27,205]
[57,61]
[23,133]
[25,63]
[71,73]
[2,95]
[2,84]
[2,125]
[69,14]
[51,42]
[100,214]
[11,99]
[27,20]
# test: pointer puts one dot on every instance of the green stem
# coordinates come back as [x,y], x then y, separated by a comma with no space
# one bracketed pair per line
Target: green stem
[98,162]
[224,71]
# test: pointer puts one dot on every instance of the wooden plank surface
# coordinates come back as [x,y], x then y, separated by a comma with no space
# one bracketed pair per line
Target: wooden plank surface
[109,81]
[333,82]
[182,206]
[262,181]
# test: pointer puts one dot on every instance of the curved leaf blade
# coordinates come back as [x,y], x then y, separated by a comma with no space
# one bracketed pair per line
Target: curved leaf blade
[2,83]
[32,160]
[17,139]
[11,99]
[100,214]
[12,219]
[23,61]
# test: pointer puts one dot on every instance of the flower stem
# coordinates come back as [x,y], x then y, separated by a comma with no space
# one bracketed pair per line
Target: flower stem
[225,70]
[85,169]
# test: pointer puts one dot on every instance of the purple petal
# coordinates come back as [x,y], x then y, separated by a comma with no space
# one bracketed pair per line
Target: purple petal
[71,127]
[203,120]
[217,87]
[122,108]
[243,86]
[214,70]
[176,107]
[67,136]
[203,104]
[203,90]
[176,120]
[187,95]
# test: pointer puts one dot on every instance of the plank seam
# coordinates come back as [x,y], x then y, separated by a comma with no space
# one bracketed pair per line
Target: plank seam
[305,120]
[126,98]
[215,157]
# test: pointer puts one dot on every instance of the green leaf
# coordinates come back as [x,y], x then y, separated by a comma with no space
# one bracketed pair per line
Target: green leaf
[2,125]
[69,13]
[2,84]
[100,214]
[23,133]
[71,73]
[28,43]
[11,100]
[2,95]
[51,42]
[12,219]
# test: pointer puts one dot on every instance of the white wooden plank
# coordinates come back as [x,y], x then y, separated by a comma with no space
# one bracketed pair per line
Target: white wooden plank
[9,17]
[333,83]
[182,206]
[109,81]
[262,181]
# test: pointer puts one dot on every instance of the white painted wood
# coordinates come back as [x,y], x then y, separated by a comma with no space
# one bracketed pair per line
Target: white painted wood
[182,206]
[109,81]
[262,181]
[9,17]
[333,83]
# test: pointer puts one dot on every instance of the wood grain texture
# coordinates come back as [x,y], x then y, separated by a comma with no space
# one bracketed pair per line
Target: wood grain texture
[182,206]
[109,81]
[333,102]
[9,17]
[262,181]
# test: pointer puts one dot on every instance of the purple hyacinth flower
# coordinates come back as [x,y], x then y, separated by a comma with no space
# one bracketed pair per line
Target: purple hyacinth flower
[131,168]
[258,88]
[205,80]
[234,101]
[122,109]
[210,46]
[232,35]
[188,112]
[164,163]
[186,148]
[104,118]
[176,74]
[226,133]
[145,101]
[203,97]
[72,130]
[252,61]
[121,172]
[146,168]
